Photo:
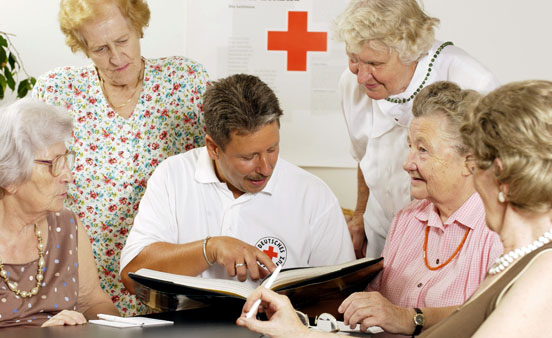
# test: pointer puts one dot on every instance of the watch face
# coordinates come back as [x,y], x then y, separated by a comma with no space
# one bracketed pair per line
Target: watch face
[419,319]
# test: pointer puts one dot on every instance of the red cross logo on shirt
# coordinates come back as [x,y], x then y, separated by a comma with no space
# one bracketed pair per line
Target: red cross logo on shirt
[270,252]
[297,41]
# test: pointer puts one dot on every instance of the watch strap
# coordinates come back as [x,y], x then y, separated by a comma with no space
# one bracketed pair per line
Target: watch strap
[419,327]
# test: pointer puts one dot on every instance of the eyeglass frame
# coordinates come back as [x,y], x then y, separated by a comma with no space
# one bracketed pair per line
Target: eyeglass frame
[68,162]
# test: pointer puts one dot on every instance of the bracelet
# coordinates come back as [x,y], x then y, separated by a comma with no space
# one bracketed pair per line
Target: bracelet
[205,250]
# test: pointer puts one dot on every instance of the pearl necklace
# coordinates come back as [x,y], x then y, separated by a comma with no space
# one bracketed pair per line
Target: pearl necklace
[39,276]
[402,100]
[505,260]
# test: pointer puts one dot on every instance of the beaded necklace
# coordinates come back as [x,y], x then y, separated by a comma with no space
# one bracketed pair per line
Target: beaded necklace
[506,259]
[433,268]
[39,276]
[437,52]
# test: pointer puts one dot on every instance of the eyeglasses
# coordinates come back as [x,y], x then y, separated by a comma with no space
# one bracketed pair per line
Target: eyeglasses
[59,163]
[470,163]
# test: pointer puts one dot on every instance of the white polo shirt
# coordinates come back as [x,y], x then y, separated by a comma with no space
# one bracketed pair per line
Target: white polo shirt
[378,131]
[295,219]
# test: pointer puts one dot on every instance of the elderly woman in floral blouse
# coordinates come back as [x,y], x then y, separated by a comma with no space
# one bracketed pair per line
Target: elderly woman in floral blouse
[130,113]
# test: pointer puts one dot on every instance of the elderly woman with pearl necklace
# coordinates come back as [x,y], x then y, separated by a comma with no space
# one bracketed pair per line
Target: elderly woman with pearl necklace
[510,133]
[47,272]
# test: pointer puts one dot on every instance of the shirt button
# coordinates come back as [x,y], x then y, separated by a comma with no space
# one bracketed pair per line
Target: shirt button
[129,221]
[130,189]
[419,285]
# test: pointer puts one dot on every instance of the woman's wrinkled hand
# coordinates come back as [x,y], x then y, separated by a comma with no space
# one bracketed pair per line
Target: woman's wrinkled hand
[282,318]
[372,309]
[66,317]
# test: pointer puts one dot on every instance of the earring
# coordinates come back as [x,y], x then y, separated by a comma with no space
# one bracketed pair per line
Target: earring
[501,197]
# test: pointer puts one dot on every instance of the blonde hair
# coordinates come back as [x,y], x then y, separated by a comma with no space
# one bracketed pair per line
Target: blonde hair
[514,124]
[74,13]
[446,99]
[399,25]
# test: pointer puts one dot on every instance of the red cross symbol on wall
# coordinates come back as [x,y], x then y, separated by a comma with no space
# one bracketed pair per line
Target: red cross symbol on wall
[297,41]
[270,252]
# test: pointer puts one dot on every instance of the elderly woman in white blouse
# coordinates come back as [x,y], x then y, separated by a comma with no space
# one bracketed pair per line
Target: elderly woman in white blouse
[392,55]
[47,272]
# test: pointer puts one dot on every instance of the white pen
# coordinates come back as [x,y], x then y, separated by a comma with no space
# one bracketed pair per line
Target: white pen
[130,320]
[268,286]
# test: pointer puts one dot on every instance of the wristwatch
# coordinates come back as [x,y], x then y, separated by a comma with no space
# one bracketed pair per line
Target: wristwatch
[419,321]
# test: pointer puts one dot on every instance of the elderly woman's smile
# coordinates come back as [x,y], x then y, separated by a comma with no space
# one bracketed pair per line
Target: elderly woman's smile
[434,164]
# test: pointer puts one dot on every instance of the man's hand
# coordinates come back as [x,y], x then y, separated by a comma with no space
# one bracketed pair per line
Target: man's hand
[372,309]
[358,236]
[229,251]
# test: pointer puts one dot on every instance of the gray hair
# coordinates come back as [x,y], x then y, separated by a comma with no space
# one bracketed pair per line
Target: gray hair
[28,126]
[241,103]
[447,99]
[399,25]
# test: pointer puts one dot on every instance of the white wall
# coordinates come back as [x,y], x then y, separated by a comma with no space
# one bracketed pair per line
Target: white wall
[508,36]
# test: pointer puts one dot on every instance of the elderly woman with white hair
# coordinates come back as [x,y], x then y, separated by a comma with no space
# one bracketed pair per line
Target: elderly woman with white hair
[48,275]
[392,55]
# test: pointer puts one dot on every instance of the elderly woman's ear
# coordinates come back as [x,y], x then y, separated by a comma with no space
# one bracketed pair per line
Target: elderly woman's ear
[10,189]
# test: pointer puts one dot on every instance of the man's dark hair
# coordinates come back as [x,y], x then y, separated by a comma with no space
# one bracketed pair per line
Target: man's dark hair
[241,103]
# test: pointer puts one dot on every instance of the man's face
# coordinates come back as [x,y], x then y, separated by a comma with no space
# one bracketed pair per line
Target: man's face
[248,160]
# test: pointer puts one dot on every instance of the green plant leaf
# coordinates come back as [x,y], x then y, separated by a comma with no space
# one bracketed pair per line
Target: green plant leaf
[33,81]
[23,88]
[3,83]
[1,93]
[9,79]
[12,60]
[3,57]
[3,42]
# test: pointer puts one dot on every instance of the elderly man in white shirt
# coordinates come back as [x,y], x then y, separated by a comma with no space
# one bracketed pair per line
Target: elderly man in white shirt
[234,209]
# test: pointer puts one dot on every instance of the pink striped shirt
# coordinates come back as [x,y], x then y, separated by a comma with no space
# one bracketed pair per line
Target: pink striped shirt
[407,282]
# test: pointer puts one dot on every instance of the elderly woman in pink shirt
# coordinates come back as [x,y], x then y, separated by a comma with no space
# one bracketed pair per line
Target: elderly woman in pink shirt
[438,249]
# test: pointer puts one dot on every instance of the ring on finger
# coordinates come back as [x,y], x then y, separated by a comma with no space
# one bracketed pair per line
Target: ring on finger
[239,264]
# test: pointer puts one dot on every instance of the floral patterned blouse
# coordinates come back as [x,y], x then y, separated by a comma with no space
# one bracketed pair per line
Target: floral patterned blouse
[116,156]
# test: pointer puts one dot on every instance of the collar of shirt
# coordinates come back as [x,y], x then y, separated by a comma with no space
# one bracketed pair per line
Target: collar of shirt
[465,215]
[205,172]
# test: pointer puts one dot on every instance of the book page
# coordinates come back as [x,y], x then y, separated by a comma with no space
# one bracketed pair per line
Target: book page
[294,275]
[226,286]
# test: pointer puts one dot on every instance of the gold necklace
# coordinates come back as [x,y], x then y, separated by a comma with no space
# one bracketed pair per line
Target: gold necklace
[140,78]
[39,276]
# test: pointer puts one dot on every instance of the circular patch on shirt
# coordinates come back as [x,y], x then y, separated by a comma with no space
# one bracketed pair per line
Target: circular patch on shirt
[273,248]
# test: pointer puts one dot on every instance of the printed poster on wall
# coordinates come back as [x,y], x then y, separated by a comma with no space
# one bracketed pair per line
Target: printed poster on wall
[289,44]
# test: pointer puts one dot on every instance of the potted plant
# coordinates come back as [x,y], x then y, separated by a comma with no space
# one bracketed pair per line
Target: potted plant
[10,66]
